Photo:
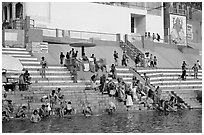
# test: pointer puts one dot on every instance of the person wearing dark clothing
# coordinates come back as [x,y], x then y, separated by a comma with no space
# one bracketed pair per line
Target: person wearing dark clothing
[149,35]
[75,55]
[72,54]
[183,76]
[151,61]
[68,55]
[155,62]
[124,59]
[21,113]
[84,57]
[27,77]
[94,58]
[115,55]
[137,59]
[67,61]
[102,82]
[158,37]
[43,112]
[113,71]
[61,58]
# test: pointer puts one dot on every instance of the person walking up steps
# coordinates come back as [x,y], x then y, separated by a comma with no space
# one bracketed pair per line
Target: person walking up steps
[61,58]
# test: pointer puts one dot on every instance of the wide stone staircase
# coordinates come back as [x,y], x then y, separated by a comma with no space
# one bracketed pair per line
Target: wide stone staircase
[57,76]
[169,80]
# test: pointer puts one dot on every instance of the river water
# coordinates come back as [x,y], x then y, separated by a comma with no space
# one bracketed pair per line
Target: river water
[185,121]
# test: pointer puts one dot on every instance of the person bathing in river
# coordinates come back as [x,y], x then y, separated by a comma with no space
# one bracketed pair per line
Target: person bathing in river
[111,107]
[69,109]
[35,117]
[5,116]
[21,113]
[87,111]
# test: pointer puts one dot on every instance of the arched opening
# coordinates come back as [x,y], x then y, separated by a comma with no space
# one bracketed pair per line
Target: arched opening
[19,10]
[5,13]
[10,11]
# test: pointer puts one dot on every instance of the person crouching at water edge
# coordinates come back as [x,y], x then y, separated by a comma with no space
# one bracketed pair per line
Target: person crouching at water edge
[69,109]
[87,111]
[35,117]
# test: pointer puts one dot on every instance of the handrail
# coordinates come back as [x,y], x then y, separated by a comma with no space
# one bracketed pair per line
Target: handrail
[133,52]
[80,31]
[130,44]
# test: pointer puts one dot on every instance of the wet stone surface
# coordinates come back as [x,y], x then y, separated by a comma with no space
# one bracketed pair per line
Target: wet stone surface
[185,121]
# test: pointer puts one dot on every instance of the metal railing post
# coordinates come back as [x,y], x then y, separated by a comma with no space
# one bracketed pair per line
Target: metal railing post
[57,30]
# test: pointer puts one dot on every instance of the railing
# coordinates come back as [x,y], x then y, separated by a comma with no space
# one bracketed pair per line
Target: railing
[132,51]
[77,34]
[177,11]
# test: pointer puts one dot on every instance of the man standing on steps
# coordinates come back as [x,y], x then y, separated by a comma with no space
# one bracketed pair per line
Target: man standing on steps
[74,73]
[124,59]
[61,58]
[195,70]
[43,63]
[115,55]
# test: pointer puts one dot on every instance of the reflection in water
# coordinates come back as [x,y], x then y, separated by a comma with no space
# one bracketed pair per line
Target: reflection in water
[147,122]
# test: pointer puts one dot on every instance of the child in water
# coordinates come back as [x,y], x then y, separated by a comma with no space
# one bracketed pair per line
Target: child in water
[35,117]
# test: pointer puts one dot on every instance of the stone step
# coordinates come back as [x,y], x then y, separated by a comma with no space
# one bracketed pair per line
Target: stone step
[14,49]
[156,74]
[183,89]
[175,82]
[47,76]
[180,85]
[30,63]
[20,55]
[122,69]
[14,52]
[26,58]
[125,74]
[51,72]
[161,70]
[49,67]
[172,78]
[60,86]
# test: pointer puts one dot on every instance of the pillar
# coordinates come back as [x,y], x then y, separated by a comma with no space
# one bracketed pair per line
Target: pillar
[26,30]
[63,33]
[142,38]
[118,37]
[14,11]
[126,38]
[57,32]
[3,14]
[3,37]
[8,13]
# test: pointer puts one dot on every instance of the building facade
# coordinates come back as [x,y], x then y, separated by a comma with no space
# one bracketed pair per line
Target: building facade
[172,21]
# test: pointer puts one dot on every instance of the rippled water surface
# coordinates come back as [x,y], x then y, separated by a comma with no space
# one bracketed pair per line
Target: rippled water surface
[188,121]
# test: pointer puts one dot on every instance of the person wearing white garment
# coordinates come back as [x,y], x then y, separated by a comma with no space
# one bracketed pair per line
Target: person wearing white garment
[129,102]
